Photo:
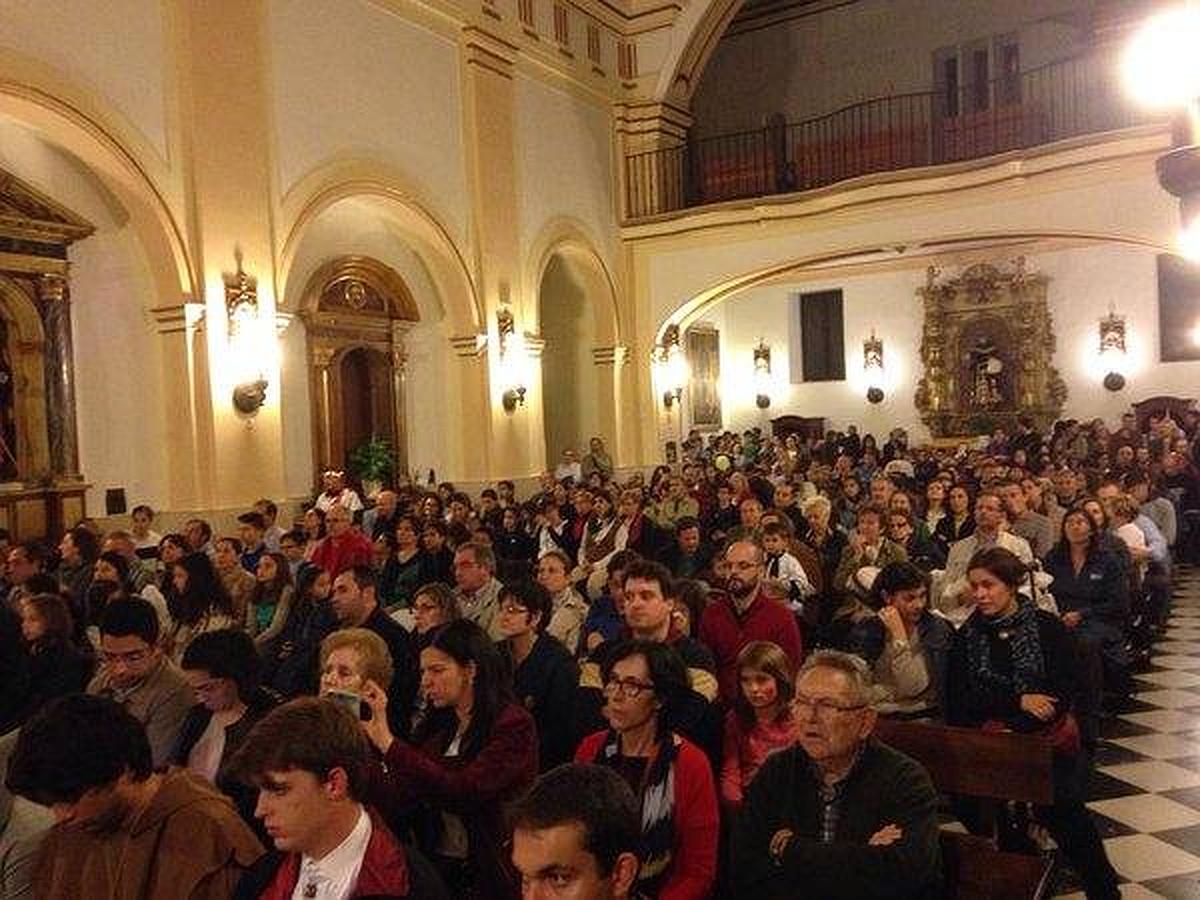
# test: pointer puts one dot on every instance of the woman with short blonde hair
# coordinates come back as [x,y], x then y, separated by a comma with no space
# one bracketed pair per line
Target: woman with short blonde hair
[352,656]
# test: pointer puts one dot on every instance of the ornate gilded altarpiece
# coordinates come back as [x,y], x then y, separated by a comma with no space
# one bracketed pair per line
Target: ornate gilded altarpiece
[988,350]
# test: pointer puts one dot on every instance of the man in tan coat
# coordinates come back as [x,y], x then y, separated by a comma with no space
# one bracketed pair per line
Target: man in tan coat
[123,831]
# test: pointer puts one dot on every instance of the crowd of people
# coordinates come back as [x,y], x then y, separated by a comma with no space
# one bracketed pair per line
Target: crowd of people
[619,686]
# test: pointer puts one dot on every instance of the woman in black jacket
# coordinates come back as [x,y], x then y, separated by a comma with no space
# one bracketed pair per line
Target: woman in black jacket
[1011,669]
[54,665]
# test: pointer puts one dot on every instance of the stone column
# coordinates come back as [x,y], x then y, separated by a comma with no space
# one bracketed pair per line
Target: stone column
[62,431]
[322,402]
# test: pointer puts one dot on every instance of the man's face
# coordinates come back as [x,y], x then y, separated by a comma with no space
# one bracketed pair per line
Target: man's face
[469,575]
[750,512]
[745,568]
[583,504]
[554,863]
[898,529]
[1014,499]
[627,507]
[881,491]
[689,539]
[70,553]
[337,521]
[291,549]
[127,658]
[351,604]
[100,810]
[194,534]
[250,536]
[784,496]
[225,556]
[869,527]
[828,723]
[293,806]
[20,567]
[989,514]
[646,608]
[910,603]
[458,511]
[1064,484]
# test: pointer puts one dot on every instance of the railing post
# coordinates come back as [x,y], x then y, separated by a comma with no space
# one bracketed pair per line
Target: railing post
[653,134]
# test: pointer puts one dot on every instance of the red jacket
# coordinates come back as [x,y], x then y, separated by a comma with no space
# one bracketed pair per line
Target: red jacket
[384,871]
[695,817]
[725,633]
[337,554]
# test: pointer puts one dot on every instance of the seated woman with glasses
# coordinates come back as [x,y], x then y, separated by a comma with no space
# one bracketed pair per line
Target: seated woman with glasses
[671,777]
[474,753]
[1012,669]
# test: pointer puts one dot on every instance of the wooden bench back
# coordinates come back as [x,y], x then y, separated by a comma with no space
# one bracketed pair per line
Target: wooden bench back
[976,870]
[990,765]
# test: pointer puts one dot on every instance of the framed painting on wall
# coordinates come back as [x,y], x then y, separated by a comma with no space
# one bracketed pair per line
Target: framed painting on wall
[703,346]
[1178,309]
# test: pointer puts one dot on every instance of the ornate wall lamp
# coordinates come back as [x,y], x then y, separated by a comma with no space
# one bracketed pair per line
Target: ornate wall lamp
[511,353]
[1112,350]
[672,367]
[241,308]
[873,367]
[762,374]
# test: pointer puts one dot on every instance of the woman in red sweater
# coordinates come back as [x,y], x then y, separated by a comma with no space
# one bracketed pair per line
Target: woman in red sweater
[761,720]
[669,775]
[473,754]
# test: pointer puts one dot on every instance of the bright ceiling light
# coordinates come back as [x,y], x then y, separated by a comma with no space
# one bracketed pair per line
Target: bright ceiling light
[1161,65]
[1189,242]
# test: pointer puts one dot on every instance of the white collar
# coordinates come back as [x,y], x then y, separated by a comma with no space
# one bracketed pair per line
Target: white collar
[346,856]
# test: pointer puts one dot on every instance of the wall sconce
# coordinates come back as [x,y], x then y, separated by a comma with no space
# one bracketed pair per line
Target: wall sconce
[762,374]
[511,354]
[1112,350]
[873,367]
[241,308]
[672,367]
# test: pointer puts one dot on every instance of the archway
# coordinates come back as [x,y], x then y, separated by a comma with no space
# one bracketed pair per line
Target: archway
[569,380]
[356,311]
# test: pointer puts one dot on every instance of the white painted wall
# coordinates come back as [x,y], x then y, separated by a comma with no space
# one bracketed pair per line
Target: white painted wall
[117,48]
[350,80]
[121,418]
[815,64]
[569,382]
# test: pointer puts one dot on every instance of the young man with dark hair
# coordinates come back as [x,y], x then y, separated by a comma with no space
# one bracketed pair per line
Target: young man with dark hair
[252,526]
[311,765]
[123,830]
[135,673]
[271,531]
[576,833]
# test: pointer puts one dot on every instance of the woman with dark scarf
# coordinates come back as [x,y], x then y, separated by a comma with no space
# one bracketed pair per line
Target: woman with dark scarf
[1011,669]
[290,662]
[403,572]
[643,683]
[602,537]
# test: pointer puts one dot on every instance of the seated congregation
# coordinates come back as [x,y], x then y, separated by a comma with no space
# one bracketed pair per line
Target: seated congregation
[778,669]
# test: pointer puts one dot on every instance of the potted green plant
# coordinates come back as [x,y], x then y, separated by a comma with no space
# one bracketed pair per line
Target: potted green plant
[372,463]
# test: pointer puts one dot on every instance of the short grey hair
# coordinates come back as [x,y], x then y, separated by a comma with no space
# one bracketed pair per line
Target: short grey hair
[857,672]
[482,554]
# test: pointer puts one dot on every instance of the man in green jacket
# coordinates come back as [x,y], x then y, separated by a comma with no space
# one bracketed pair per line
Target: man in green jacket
[839,814]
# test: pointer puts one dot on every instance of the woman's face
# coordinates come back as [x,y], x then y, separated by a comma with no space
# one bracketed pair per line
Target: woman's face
[817,517]
[759,688]
[959,500]
[381,550]
[552,575]
[32,625]
[170,553]
[226,556]
[515,619]
[312,521]
[429,508]
[443,681]
[179,579]
[432,539]
[267,569]
[992,596]
[343,671]
[217,694]
[935,493]
[601,507]
[630,675]
[1096,512]
[105,571]
[322,586]
[1077,528]
[406,535]
[427,613]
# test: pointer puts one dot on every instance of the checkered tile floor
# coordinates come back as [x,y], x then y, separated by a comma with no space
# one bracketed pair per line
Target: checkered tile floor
[1145,793]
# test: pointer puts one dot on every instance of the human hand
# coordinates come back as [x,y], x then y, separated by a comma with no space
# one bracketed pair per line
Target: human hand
[966,596]
[856,542]
[1072,619]
[1040,706]
[886,836]
[376,728]
[890,616]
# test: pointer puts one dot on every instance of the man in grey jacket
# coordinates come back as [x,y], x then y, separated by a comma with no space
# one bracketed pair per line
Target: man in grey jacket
[22,827]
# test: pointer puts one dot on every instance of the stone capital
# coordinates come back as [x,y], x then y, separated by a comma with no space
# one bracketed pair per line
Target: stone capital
[52,287]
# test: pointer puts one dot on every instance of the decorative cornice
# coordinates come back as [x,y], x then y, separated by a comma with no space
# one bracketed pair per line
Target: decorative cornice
[178,318]
[616,355]
[486,50]
[535,345]
[28,214]
[469,345]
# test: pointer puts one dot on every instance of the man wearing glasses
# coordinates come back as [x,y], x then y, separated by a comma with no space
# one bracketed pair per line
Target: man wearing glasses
[134,673]
[839,814]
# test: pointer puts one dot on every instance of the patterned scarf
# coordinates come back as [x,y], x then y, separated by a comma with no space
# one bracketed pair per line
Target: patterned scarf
[1020,629]
[658,808]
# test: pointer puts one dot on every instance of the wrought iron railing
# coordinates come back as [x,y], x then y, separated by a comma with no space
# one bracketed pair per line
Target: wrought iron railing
[1066,99]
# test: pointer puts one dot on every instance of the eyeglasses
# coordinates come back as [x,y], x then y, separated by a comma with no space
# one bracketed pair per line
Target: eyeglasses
[824,708]
[629,688]
[513,608]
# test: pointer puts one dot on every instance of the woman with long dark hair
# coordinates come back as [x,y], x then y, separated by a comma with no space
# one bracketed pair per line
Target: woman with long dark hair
[55,664]
[475,752]
[270,602]
[1011,669]
[290,663]
[201,604]
[958,522]
[403,572]
[644,684]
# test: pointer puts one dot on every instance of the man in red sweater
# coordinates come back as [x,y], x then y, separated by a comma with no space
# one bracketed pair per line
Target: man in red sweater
[743,615]
[343,547]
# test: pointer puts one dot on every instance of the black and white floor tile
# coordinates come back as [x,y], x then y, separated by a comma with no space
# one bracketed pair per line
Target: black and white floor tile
[1145,793]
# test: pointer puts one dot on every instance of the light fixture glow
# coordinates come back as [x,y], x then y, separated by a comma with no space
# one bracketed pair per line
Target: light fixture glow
[762,374]
[1161,65]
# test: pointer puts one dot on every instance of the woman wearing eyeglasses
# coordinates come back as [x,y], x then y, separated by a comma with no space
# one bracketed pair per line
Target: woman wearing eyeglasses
[1012,669]
[670,776]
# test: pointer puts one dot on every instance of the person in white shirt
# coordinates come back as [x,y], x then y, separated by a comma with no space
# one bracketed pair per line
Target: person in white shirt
[570,467]
[310,761]
[336,493]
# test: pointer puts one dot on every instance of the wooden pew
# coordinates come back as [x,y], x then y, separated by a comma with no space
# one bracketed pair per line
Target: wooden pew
[992,766]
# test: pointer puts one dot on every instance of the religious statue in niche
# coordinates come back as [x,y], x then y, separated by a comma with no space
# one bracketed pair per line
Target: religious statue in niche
[987,348]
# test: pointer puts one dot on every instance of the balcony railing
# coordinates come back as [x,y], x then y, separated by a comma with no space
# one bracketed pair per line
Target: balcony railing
[1065,99]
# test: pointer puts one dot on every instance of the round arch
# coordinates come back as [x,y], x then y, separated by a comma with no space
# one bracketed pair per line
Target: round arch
[64,113]
[696,33]
[569,241]
[26,346]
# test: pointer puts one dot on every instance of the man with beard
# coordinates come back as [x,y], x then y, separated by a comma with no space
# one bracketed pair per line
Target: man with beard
[745,614]
[123,830]
[839,815]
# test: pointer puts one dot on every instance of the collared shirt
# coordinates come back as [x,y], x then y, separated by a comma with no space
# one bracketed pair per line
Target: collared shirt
[334,876]
[829,798]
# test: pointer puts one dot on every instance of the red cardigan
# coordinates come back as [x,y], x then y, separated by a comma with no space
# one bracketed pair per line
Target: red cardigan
[725,634]
[696,820]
